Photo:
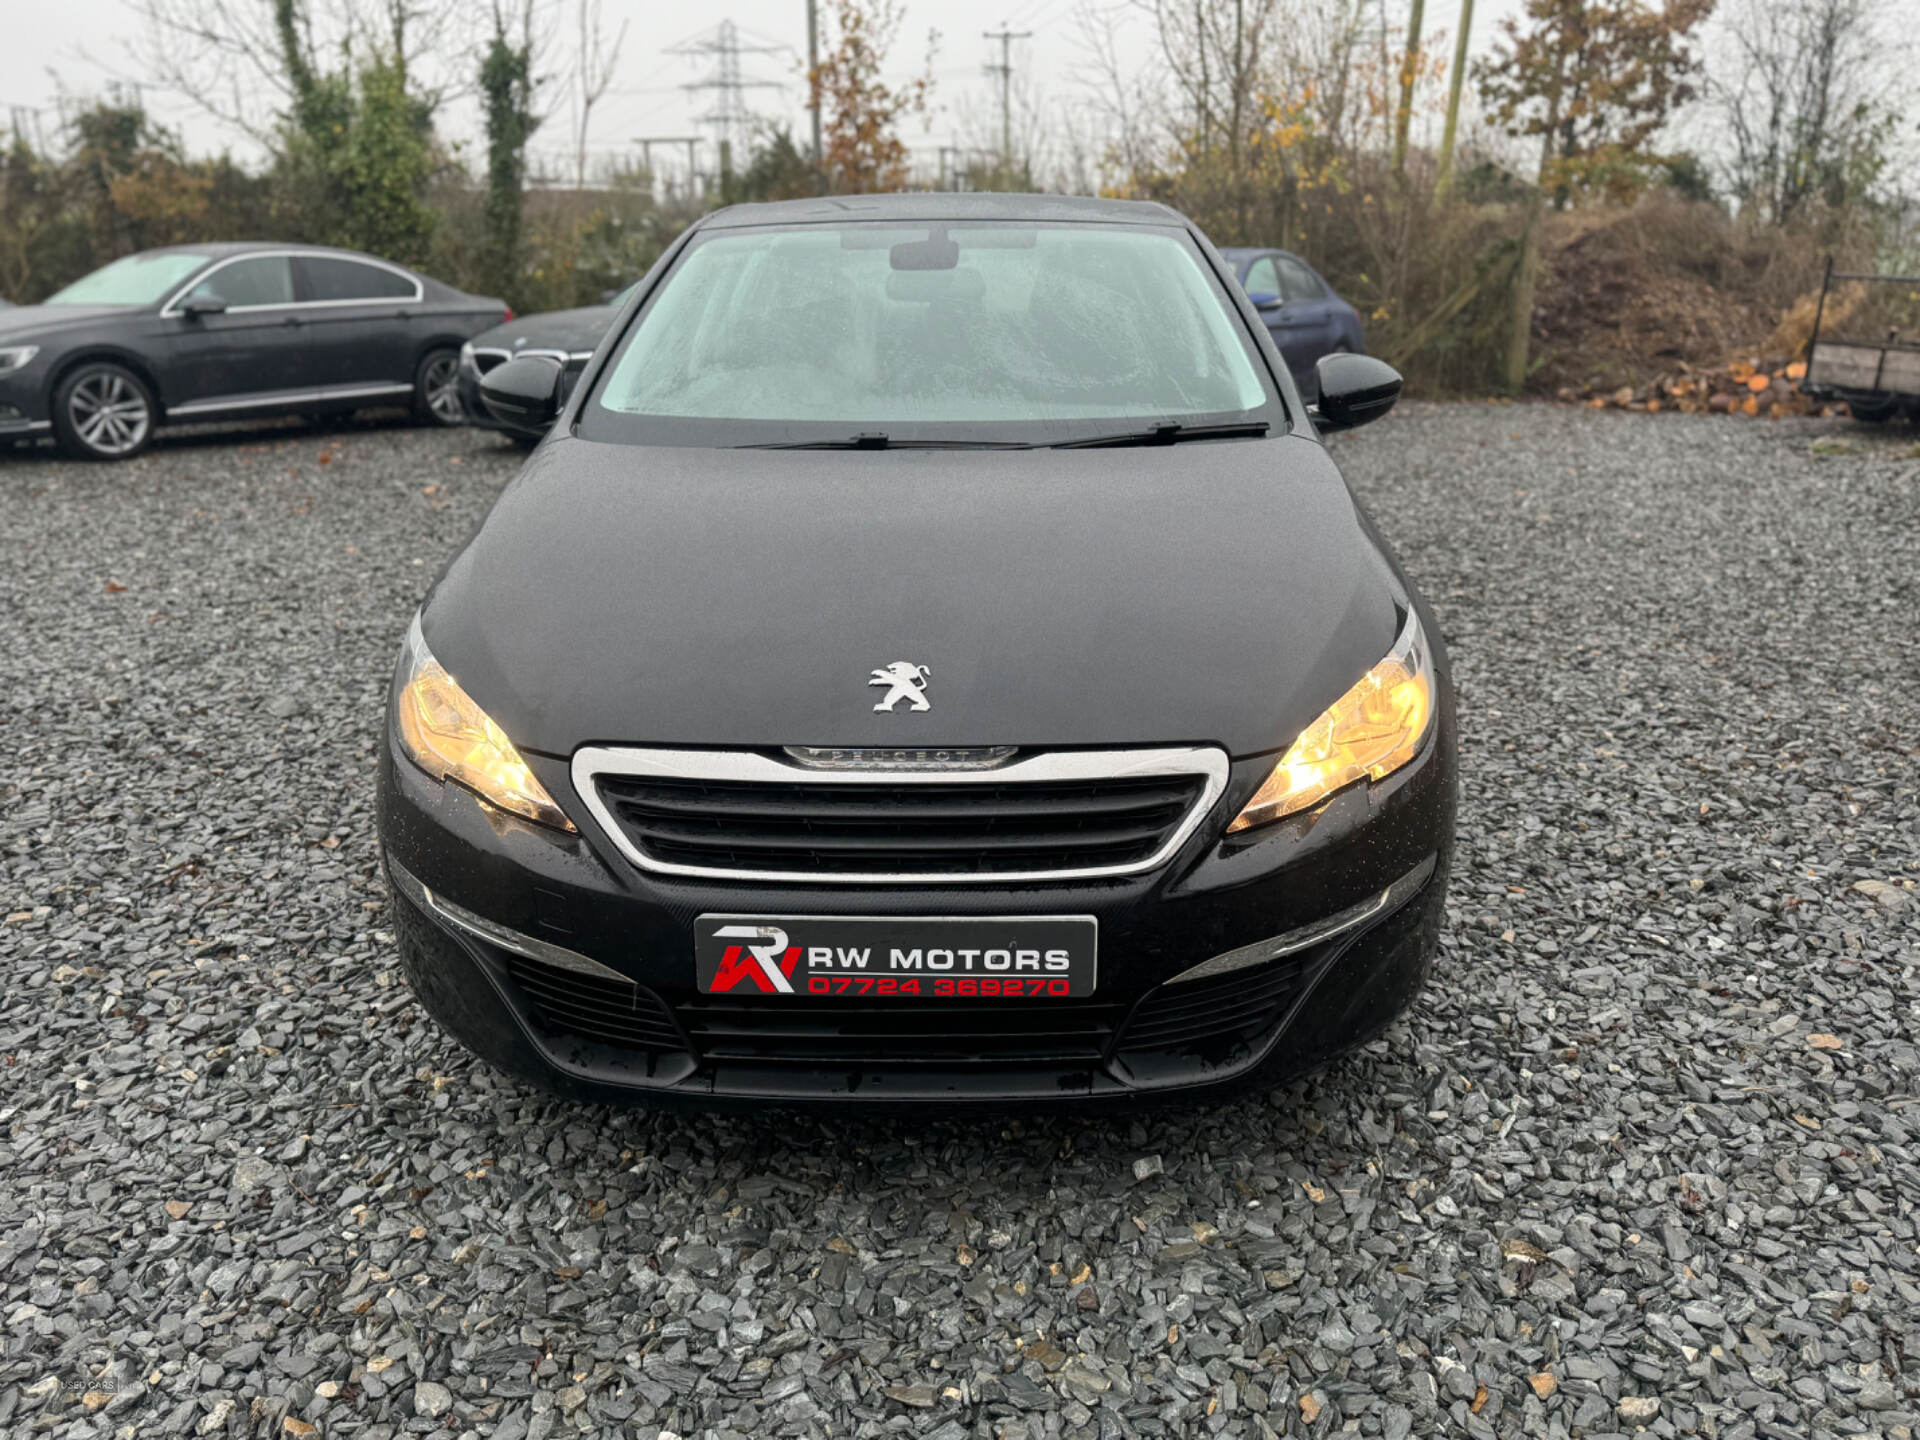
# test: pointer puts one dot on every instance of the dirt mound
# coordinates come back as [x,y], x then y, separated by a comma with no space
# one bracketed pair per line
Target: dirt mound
[1664,291]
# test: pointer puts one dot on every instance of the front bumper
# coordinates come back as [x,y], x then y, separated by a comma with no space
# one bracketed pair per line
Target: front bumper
[559,961]
[23,401]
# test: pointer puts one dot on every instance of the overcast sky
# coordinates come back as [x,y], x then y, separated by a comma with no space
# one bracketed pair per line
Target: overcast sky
[81,45]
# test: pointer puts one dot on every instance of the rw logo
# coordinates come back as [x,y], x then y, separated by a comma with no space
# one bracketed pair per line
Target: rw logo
[767,966]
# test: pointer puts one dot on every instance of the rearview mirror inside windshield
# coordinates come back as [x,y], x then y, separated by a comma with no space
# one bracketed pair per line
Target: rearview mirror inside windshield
[936,252]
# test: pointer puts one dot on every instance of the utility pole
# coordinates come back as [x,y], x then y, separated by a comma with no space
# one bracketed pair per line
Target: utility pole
[1404,117]
[813,75]
[1526,278]
[1004,70]
[1443,182]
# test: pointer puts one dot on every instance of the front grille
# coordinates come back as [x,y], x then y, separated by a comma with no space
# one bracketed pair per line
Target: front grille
[893,1033]
[1240,1006]
[593,1007]
[931,828]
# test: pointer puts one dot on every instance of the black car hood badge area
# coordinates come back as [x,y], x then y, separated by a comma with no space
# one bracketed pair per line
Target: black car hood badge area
[1219,593]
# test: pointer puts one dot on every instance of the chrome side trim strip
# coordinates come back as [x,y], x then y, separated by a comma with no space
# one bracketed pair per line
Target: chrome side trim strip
[167,312]
[533,948]
[592,761]
[24,427]
[287,397]
[241,402]
[1307,936]
[351,392]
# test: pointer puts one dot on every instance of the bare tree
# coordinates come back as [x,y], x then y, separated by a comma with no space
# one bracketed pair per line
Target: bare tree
[242,62]
[594,64]
[1215,51]
[1123,107]
[1808,92]
[1035,130]
[1320,62]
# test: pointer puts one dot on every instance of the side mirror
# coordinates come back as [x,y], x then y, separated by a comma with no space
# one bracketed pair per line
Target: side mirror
[204,305]
[524,392]
[1264,299]
[1354,390]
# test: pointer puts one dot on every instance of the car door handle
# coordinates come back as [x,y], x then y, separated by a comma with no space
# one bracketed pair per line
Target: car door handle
[293,320]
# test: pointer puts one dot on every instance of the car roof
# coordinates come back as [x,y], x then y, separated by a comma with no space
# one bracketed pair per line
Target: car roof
[223,249]
[922,206]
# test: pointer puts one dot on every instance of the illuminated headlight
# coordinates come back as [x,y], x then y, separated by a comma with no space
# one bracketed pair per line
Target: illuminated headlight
[16,357]
[1367,734]
[451,738]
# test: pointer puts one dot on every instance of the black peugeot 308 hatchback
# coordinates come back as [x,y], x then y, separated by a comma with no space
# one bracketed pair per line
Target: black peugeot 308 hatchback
[932,658]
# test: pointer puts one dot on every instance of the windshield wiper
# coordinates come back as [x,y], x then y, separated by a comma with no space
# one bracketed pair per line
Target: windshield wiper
[880,440]
[1171,432]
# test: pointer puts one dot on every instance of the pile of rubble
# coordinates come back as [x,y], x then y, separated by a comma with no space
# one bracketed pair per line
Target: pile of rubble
[1745,387]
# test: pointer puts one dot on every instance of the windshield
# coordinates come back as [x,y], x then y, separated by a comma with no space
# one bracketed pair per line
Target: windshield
[137,280]
[1017,332]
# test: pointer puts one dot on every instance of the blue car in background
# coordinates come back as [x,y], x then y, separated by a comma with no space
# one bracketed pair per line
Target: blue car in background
[1306,318]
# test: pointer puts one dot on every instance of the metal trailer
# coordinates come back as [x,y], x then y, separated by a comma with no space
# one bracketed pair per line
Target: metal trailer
[1876,378]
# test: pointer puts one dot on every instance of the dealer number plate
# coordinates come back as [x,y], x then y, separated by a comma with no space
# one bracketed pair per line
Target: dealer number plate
[1014,957]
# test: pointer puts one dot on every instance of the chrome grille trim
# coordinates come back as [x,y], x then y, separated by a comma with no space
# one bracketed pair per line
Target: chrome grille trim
[591,762]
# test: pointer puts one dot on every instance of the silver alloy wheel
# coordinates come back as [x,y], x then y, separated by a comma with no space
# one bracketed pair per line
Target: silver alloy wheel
[440,381]
[109,413]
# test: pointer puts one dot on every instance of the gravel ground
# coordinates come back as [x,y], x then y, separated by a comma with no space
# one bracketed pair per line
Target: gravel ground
[1647,1155]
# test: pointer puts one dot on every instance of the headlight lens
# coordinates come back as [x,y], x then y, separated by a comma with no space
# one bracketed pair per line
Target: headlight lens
[452,738]
[1368,733]
[16,357]
[466,354]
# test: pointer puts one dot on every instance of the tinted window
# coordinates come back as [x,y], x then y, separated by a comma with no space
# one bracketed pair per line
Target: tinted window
[136,280]
[984,325]
[263,280]
[1297,282]
[330,279]
[1263,279]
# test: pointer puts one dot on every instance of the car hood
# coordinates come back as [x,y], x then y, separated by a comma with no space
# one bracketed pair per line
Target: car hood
[1219,593]
[26,321]
[569,330]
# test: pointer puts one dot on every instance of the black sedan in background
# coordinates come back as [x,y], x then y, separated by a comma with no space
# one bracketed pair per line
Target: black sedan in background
[932,658]
[214,332]
[1299,308]
[566,336]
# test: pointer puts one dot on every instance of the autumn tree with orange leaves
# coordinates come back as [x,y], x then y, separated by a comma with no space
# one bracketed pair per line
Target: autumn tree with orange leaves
[1596,81]
[861,148]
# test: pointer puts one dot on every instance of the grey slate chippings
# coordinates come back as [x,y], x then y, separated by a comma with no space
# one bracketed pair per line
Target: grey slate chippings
[1642,1162]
